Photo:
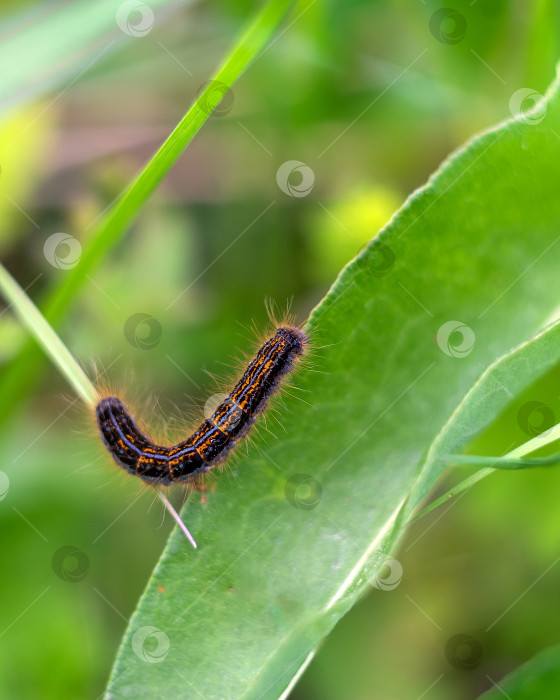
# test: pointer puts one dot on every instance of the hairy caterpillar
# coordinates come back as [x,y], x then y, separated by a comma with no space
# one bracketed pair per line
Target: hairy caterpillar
[209,445]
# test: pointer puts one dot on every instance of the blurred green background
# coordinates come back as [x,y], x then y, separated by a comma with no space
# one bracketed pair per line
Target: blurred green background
[371,96]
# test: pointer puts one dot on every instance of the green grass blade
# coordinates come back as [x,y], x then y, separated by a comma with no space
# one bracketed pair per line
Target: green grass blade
[536,679]
[452,494]
[45,336]
[505,462]
[124,211]
[114,224]
[57,43]
[513,460]
[492,392]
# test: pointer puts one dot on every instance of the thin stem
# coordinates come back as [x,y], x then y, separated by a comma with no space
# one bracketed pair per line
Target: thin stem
[176,517]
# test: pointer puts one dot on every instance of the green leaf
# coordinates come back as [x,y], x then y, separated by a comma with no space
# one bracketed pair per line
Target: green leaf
[278,564]
[538,678]
[120,216]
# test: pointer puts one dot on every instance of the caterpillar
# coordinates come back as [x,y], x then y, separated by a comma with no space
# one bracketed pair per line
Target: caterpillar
[210,444]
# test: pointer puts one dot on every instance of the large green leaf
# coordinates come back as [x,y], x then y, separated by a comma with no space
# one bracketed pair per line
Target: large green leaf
[240,616]
[539,679]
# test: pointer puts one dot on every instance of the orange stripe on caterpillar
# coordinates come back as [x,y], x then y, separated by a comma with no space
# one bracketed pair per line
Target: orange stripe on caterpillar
[209,445]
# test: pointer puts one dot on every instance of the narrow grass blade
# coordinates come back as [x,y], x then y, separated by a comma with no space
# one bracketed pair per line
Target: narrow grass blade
[513,460]
[45,336]
[506,462]
[121,214]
